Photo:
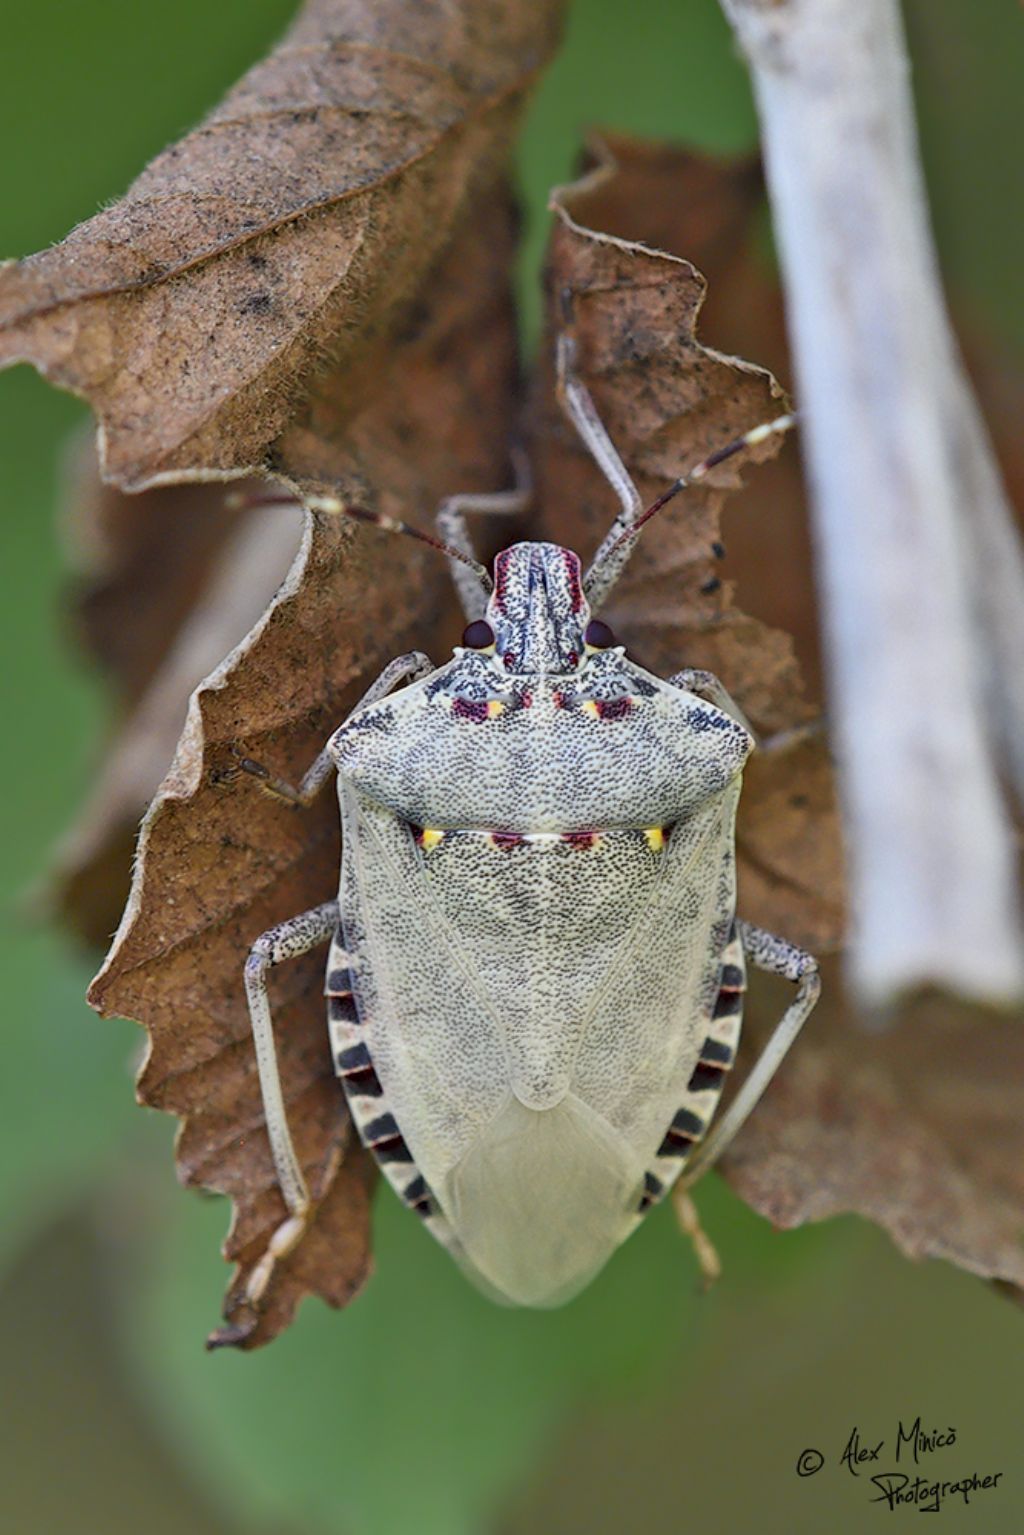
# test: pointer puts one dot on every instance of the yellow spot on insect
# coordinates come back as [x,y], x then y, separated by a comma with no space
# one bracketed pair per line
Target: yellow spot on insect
[655,838]
[430,837]
[494,708]
[590,707]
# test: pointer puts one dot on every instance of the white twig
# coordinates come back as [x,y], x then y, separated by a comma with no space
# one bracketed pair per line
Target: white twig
[906,504]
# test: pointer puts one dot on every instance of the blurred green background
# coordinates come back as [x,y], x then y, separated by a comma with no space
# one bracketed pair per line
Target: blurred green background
[422,1408]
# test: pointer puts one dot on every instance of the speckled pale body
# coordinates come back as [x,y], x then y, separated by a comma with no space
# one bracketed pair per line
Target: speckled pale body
[536,1002]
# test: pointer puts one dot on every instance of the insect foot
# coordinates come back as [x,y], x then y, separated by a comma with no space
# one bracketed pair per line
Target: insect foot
[283,1242]
[689,1224]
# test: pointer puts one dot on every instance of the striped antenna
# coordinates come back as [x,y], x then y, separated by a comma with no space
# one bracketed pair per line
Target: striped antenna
[617,546]
[336,508]
[697,473]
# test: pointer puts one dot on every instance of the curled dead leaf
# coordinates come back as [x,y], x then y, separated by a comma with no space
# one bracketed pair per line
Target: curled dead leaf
[401,423]
[168,582]
[295,223]
[918,1128]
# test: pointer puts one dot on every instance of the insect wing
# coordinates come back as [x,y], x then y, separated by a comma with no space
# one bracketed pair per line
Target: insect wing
[534,1007]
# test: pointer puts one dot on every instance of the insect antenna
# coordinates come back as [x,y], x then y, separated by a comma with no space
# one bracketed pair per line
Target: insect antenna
[616,548]
[697,473]
[334,507]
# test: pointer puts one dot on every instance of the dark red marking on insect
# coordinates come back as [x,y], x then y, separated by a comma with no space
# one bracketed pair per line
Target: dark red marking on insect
[501,565]
[365,1084]
[506,839]
[572,658]
[558,699]
[572,571]
[526,699]
[613,708]
[342,1009]
[470,709]
[509,659]
[580,839]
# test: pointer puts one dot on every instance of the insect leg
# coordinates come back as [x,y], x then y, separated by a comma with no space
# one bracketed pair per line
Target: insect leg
[451,524]
[786,740]
[706,685]
[779,958]
[414,664]
[578,405]
[286,941]
[689,1224]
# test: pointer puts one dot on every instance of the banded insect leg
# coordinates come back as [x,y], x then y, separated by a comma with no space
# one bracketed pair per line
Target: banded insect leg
[777,957]
[286,941]
[404,668]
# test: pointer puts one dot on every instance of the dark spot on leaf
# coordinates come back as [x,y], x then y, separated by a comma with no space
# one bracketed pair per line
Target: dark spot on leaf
[256,303]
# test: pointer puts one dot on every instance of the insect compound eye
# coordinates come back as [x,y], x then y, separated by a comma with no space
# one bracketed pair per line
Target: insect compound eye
[598,636]
[478,635]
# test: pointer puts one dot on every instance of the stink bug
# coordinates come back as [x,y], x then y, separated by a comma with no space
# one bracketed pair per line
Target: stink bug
[536,973]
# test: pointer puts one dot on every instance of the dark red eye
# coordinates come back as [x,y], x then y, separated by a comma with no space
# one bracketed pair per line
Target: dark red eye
[478,635]
[598,635]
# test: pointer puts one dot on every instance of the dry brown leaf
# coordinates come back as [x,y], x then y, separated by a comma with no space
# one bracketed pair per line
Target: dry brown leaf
[918,1128]
[668,399]
[290,228]
[160,546]
[168,581]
